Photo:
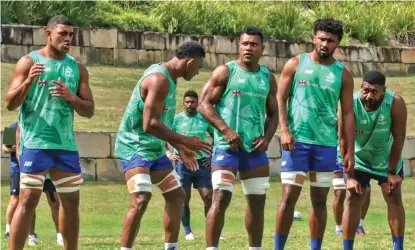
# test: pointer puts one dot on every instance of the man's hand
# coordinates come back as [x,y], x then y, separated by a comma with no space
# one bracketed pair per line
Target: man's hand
[174,158]
[35,71]
[194,143]
[353,186]
[287,141]
[260,144]
[206,161]
[233,139]
[393,182]
[348,162]
[61,90]
[188,157]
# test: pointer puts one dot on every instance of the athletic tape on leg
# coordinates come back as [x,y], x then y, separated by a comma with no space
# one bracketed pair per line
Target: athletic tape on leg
[223,180]
[258,185]
[339,183]
[295,178]
[68,184]
[321,179]
[170,182]
[139,183]
[31,181]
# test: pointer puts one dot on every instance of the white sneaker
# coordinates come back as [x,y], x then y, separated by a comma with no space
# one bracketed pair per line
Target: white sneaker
[222,238]
[59,239]
[33,240]
[190,236]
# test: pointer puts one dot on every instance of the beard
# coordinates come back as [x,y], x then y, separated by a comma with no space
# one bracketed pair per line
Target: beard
[324,56]
[373,105]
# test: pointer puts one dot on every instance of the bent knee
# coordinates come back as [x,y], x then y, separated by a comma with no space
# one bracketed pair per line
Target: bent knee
[140,202]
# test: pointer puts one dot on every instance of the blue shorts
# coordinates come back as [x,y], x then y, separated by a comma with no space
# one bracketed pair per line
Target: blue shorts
[201,178]
[339,168]
[241,160]
[308,157]
[161,163]
[14,183]
[39,160]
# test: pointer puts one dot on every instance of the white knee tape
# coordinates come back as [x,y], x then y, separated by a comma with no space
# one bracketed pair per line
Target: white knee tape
[170,182]
[257,185]
[295,178]
[139,183]
[68,184]
[321,179]
[223,180]
[31,181]
[339,183]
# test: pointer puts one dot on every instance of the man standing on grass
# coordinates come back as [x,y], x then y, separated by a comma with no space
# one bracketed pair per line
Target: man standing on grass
[381,117]
[239,100]
[144,130]
[49,85]
[313,83]
[191,123]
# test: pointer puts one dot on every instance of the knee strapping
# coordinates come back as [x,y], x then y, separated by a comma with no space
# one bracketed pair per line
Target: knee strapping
[31,181]
[339,183]
[321,179]
[258,185]
[170,182]
[68,184]
[139,183]
[223,180]
[295,178]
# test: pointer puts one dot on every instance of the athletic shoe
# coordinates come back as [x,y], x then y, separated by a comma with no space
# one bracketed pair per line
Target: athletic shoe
[339,231]
[190,236]
[222,238]
[360,231]
[33,240]
[59,239]
[7,235]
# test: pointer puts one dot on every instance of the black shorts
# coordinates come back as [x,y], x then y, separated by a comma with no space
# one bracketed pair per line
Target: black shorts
[364,178]
[49,186]
[14,184]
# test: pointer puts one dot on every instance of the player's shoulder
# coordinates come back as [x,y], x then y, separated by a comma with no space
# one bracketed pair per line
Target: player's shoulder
[397,98]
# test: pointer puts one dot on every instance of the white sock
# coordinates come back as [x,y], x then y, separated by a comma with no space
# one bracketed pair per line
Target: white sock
[7,228]
[255,248]
[171,246]
[59,236]
[339,227]
[211,248]
[361,223]
[126,248]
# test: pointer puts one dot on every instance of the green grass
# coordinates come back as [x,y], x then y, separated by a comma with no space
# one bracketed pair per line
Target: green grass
[112,87]
[104,204]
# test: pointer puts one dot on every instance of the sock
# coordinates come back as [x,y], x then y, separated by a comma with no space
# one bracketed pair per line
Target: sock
[7,228]
[361,223]
[186,219]
[315,244]
[171,246]
[348,244]
[255,248]
[339,227]
[397,242]
[211,248]
[59,236]
[279,241]
[126,248]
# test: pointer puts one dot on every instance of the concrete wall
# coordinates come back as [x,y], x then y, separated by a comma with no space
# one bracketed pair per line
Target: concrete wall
[98,162]
[112,46]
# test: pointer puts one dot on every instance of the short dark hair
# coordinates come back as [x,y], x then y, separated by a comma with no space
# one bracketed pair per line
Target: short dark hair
[59,19]
[190,93]
[253,31]
[190,49]
[375,77]
[330,25]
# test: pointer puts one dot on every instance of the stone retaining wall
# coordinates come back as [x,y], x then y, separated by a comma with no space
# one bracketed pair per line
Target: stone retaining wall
[98,162]
[112,47]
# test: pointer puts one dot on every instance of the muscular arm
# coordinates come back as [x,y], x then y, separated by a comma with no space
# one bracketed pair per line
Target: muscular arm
[348,125]
[284,87]
[399,116]
[271,123]
[20,85]
[340,134]
[211,94]
[83,102]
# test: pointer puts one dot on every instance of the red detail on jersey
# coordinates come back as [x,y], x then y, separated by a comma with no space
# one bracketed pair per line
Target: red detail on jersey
[42,83]
[236,92]
[302,82]
[360,132]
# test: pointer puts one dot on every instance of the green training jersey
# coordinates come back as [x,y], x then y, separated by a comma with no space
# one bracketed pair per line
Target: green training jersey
[374,136]
[243,105]
[131,138]
[192,126]
[312,103]
[46,122]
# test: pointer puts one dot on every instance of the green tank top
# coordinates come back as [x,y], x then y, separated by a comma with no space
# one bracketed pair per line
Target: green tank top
[243,105]
[313,100]
[192,126]
[374,136]
[46,122]
[131,138]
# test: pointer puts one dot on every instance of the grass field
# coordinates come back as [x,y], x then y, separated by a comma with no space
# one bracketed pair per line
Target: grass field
[103,205]
[112,87]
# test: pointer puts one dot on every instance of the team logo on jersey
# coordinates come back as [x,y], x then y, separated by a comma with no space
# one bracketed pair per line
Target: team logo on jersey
[330,78]
[241,80]
[363,121]
[308,71]
[236,92]
[42,83]
[69,73]
[360,132]
[381,119]
[262,84]
[302,82]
